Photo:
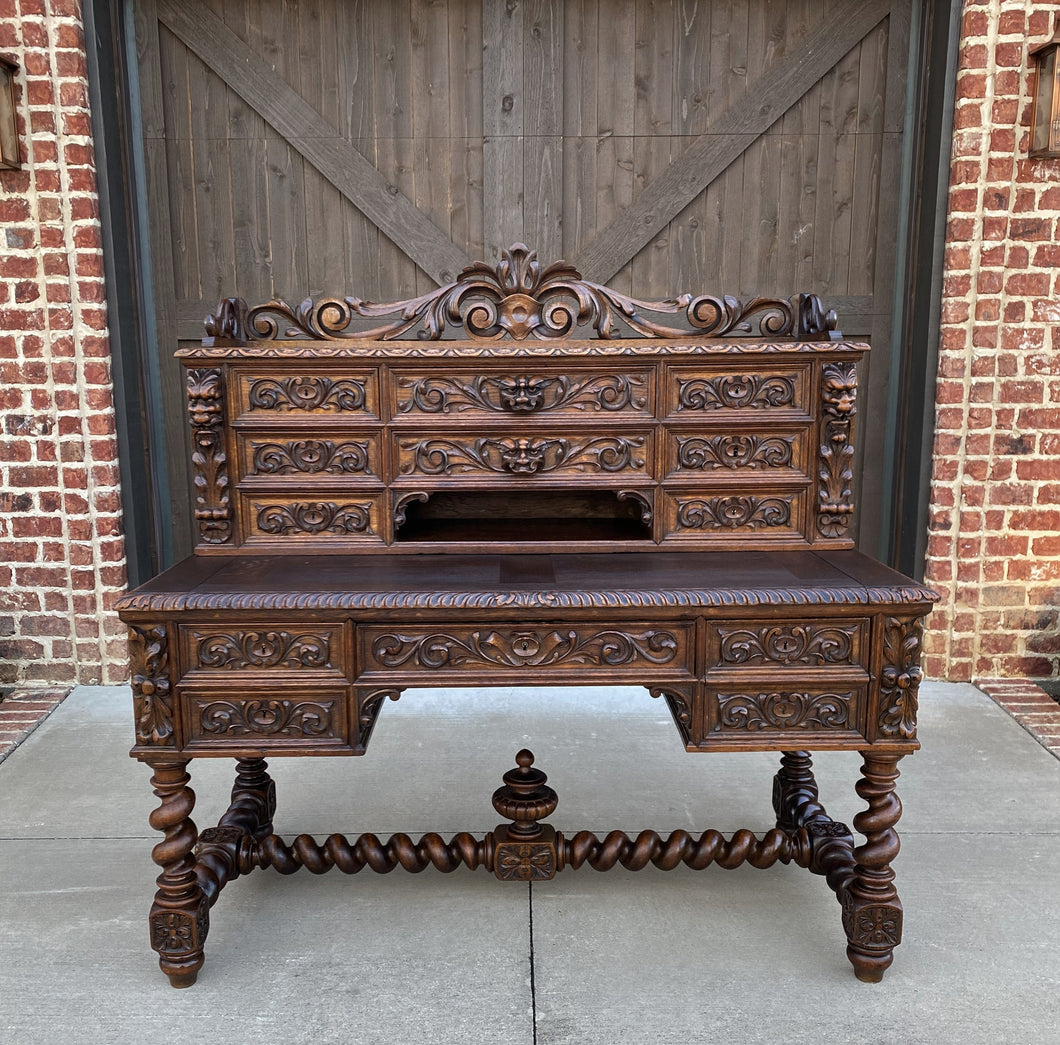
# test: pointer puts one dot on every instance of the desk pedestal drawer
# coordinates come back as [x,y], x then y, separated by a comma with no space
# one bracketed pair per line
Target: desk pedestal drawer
[822,710]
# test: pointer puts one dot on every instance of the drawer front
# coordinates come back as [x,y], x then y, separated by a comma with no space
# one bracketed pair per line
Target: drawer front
[523,393]
[264,394]
[831,709]
[323,457]
[722,456]
[784,646]
[567,650]
[765,514]
[287,650]
[332,519]
[735,393]
[287,718]
[495,455]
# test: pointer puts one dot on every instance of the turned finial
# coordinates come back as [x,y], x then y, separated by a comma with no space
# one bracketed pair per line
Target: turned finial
[525,797]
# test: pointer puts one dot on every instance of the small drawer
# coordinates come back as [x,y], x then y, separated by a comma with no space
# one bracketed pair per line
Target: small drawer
[493,455]
[322,457]
[732,393]
[560,650]
[722,456]
[277,718]
[765,514]
[328,518]
[520,392]
[784,645]
[263,394]
[270,648]
[830,710]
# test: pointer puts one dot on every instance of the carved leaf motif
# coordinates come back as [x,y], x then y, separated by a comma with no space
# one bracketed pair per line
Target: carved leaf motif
[901,676]
[306,393]
[524,649]
[787,644]
[733,512]
[522,393]
[752,712]
[518,298]
[525,861]
[210,464]
[314,517]
[264,649]
[735,452]
[835,500]
[311,456]
[268,717]
[523,456]
[149,655]
[735,392]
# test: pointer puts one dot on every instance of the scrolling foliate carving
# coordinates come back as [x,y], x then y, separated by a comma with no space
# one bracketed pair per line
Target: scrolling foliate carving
[735,392]
[521,456]
[735,451]
[835,500]
[900,677]
[679,701]
[268,717]
[757,711]
[370,702]
[519,299]
[311,456]
[314,517]
[152,696]
[522,393]
[788,644]
[307,393]
[263,649]
[206,412]
[734,512]
[530,648]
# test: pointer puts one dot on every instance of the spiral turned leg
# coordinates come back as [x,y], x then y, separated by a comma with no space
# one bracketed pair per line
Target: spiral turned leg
[180,915]
[872,912]
[253,799]
[795,797]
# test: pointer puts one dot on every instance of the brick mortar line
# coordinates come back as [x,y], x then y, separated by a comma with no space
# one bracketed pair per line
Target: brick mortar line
[1000,691]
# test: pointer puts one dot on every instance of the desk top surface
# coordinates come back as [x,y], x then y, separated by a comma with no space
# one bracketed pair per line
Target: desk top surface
[606,580]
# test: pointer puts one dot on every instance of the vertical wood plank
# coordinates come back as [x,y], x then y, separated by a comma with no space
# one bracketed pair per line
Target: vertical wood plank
[502,124]
[465,125]
[580,57]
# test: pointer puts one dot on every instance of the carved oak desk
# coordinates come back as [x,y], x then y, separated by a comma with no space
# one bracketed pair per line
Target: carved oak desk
[520,506]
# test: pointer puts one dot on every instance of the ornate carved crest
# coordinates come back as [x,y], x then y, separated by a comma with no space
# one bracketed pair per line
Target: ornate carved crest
[519,299]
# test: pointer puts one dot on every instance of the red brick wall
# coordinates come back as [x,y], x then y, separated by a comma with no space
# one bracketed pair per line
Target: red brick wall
[61,547]
[994,542]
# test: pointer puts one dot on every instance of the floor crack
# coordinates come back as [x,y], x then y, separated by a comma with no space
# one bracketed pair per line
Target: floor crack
[533,984]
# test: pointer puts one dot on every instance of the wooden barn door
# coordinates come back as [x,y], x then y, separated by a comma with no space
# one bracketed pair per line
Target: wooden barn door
[332,147]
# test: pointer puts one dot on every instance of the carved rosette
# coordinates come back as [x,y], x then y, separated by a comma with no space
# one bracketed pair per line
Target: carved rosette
[752,712]
[301,718]
[152,697]
[735,452]
[522,393]
[310,456]
[733,512]
[735,392]
[519,456]
[531,648]
[321,394]
[519,299]
[263,649]
[900,677]
[835,500]
[206,411]
[788,644]
[314,517]
[177,933]
[525,861]
[875,927]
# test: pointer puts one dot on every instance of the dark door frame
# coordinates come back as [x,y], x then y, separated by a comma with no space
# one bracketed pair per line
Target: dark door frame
[918,295]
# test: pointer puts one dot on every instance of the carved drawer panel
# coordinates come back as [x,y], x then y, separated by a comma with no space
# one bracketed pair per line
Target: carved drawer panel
[495,455]
[523,392]
[766,514]
[293,649]
[562,650]
[728,455]
[831,709]
[288,717]
[330,518]
[265,394]
[295,456]
[784,645]
[730,393]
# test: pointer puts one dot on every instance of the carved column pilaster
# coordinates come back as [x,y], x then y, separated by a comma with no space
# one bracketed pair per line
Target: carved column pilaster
[213,512]
[900,677]
[835,499]
[152,691]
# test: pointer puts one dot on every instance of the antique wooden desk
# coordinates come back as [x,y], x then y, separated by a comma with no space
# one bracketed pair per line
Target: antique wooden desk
[500,500]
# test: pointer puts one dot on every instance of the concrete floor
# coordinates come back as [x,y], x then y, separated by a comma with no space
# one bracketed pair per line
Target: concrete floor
[715,956]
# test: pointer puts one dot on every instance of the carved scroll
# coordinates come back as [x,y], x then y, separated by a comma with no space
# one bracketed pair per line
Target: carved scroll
[310,457]
[788,644]
[519,299]
[524,456]
[307,393]
[314,517]
[206,411]
[152,694]
[302,718]
[835,500]
[735,512]
[263,649]
[751,712]
[710,453]
[735,392]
